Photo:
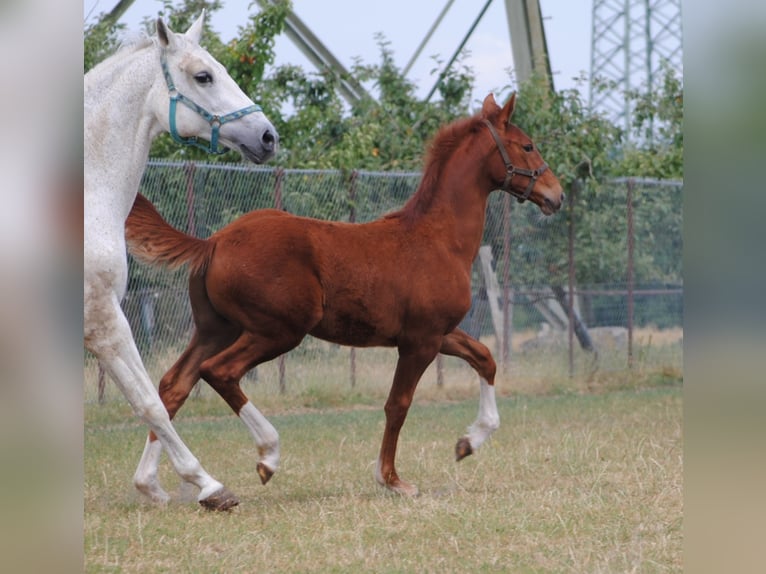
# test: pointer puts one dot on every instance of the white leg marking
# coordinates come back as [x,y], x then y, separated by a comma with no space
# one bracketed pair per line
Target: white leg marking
[488,420]
[378,474]
[264,433]
[145,479]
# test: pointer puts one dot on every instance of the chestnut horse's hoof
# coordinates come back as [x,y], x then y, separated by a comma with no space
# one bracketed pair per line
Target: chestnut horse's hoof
[404,488]
[463,448]
[264,472]
[224,499]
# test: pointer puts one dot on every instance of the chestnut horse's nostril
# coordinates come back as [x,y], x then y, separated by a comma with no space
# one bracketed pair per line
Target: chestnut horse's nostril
[554,206]
[268,140]
[550,204]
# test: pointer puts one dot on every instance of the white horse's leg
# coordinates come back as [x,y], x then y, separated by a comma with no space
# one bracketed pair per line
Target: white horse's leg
[110,339]
[146,479]
[126,369]
[266,439]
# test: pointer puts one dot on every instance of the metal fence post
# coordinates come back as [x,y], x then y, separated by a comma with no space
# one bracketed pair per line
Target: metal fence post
[571,279]
[191,227]
[279,175]
[190,167]
[101,383]
[630,278]
[507,305]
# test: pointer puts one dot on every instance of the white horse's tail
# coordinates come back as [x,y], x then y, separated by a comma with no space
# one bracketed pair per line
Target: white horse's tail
[153,240]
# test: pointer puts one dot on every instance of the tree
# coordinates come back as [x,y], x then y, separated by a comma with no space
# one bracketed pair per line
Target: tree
[656,148]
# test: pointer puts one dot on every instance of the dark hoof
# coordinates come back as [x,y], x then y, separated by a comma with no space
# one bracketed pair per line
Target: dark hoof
[264,472]
[463,449]
[221,500]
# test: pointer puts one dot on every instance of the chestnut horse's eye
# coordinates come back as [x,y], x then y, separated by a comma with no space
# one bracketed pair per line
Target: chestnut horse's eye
[528,147]
[203,78]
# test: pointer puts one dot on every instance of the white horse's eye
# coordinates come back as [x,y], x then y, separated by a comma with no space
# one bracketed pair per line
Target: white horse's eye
[203,78]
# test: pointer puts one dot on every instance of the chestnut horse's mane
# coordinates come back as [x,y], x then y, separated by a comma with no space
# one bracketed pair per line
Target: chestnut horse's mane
[442,146]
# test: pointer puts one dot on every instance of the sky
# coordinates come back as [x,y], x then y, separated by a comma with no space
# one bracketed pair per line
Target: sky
[348,29]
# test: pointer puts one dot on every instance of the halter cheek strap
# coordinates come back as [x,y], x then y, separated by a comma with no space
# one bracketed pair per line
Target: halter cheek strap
[510,170]
[215,121]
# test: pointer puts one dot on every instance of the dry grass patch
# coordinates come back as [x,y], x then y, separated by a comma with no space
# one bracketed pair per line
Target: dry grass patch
[569,483]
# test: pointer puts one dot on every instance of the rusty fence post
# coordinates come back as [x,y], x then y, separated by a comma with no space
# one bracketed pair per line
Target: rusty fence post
[571,277]
[191,227]
[279,175]
[352,219]
[507,305]
[101,383]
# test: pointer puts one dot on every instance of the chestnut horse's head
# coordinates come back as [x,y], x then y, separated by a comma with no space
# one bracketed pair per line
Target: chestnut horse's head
[515,163]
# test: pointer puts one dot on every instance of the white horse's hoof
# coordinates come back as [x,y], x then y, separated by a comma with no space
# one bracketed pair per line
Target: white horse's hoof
[221,500]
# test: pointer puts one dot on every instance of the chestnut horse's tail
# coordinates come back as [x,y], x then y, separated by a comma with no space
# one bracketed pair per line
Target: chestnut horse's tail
[153,240]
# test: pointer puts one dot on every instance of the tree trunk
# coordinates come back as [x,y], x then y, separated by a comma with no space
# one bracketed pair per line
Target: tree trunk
[580,330]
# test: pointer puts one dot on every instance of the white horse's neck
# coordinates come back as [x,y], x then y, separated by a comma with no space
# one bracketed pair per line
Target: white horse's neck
[120,100]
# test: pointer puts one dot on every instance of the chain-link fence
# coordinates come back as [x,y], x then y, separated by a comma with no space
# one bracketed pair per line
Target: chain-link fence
[597,284]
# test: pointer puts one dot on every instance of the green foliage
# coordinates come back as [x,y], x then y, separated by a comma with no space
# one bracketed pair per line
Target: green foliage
[658,131]
[247,56]
[100,40]
[318,130]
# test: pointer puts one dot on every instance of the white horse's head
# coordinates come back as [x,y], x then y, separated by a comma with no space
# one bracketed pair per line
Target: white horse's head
[213,107]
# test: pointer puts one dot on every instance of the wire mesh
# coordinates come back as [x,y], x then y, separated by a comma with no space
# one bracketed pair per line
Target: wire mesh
[620,296]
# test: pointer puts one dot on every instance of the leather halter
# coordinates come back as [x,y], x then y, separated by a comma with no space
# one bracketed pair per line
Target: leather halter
[510,170]
[215,121]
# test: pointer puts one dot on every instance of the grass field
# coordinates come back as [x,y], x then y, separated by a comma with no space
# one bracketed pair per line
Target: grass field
[580,479]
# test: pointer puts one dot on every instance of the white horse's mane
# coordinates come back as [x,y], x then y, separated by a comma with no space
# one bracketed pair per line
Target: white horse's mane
[134,41]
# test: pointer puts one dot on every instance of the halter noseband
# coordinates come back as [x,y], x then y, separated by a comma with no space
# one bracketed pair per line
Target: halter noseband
[215,121]
[510,170]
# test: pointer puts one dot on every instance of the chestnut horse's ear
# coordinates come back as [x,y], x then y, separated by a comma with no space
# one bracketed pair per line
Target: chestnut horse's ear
[507,112]
[489,108]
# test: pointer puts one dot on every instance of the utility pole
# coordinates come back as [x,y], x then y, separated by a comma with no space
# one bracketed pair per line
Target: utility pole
[630,40]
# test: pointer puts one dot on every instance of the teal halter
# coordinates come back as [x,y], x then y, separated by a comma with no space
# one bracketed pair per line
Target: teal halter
[215,121]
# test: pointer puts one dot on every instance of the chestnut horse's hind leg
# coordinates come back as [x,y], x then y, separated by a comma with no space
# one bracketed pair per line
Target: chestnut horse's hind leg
[410,367]
[459,344]
[224,371]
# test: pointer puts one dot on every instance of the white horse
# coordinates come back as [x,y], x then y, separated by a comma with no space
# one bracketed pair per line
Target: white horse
[130,98]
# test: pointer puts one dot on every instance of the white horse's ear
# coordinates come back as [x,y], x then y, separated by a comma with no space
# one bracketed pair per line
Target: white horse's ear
[164,33]
[195,30]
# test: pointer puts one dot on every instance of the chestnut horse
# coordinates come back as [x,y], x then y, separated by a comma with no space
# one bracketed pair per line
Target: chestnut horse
[265,281]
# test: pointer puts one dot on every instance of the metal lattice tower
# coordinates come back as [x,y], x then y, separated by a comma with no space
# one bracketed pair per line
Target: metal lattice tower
[629,40]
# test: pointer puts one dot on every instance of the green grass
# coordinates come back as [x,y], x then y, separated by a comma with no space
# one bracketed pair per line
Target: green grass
[586,480]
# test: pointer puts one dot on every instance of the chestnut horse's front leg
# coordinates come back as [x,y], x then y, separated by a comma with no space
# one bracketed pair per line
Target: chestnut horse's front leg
[413,361]
[459,344]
